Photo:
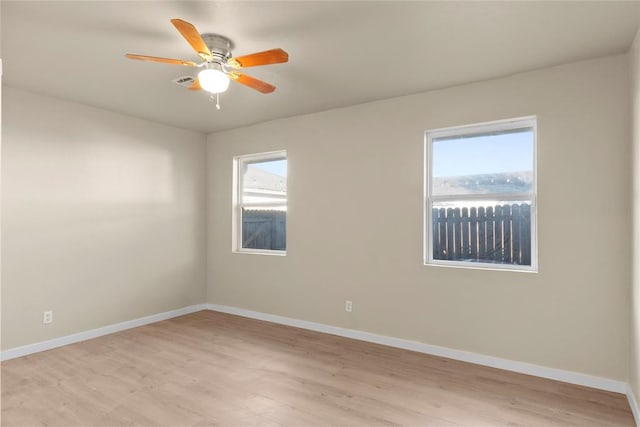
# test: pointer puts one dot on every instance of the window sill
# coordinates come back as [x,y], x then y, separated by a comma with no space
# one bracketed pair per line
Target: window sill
[260,252]
[482,266]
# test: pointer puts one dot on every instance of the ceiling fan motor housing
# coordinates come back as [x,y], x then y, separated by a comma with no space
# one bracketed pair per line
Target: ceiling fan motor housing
[219,46]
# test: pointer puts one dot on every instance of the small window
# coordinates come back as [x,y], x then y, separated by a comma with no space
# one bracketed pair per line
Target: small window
[480,195]
[261,203]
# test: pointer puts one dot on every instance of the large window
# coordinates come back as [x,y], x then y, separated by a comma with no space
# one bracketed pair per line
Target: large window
[480,195]
[261,203]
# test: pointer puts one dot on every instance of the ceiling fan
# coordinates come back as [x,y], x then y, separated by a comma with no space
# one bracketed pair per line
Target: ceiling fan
[218,65]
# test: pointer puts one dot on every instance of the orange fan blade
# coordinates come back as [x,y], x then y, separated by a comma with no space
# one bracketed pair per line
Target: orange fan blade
[163,60]
[192,36]
[252,82]
[273,56]
[195,85]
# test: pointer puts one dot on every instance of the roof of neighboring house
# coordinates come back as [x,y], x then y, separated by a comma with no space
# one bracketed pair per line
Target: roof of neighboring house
[258,179]
[507,182]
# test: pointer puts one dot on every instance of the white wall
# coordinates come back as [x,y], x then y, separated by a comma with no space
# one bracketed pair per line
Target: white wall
[103,217]
[634,67]
[1,73]
[355,223]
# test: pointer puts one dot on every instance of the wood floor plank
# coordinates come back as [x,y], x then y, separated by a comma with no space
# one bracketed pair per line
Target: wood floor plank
[214,369]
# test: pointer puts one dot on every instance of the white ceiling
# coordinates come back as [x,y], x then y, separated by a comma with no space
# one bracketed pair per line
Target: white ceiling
[341,53]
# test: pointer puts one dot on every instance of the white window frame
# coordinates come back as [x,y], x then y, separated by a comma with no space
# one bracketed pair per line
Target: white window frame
[429,199]
[238,204]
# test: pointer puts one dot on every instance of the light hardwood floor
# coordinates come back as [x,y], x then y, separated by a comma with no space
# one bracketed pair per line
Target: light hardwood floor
[209,368]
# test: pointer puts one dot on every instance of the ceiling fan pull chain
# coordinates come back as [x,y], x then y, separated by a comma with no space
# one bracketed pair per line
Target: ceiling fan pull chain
[217,99]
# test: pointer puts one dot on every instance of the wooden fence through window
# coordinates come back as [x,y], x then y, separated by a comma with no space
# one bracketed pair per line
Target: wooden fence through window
[495,234]
[264,229]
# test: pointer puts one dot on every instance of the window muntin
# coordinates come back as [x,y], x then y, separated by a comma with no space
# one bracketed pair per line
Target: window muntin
[480,196]
[261,211]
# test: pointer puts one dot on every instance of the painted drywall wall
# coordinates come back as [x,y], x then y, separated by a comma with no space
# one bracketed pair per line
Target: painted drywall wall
[1,72]
[354,231]
[103,218]
[634,341]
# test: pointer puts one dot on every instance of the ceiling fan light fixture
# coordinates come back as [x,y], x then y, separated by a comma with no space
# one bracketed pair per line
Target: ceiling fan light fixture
[213,80]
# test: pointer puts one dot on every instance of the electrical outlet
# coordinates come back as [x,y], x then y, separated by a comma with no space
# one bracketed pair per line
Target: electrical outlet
[348,306]
[47,317]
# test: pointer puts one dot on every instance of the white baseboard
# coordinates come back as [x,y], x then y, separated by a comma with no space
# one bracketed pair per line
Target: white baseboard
[94,333]
[633,403]
[465,356]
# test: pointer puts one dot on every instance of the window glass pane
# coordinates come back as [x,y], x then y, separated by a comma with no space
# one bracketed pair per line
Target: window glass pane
[497,232]
[263,202]
[264,228]
[498,162]
[264,181]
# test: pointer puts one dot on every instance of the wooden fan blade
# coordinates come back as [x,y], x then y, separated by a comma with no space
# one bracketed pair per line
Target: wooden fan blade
[195,85]
[192,36]
[252,82]
[163,60]
[273,56]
